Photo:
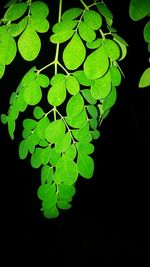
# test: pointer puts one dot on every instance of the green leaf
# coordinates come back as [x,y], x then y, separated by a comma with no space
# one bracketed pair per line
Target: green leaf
[39,9]
[61,37]
[74,53]
[63,205]
[71,152]
[41,126]
[29,77]
[71,14]
[95,44]
[29,124]
[93,19]
[115,75]
[11,126]
[85,165]
[57,94]
[43,80]
[96,64]
[104,10]
[102,87]
[82,79]
[93,123]
[66,192]
[38,112]
[47,174]
[147,32]
[72,85]
[86,33]
[8,46]
[63,143]
[139,9]
[78,121]
[59,77]
[112,49]
[33,140]
[36,158]
[145,79]
[45,155]
[95,134]
[55,130]
[87,95]
[29,44]
[119,39]
[23,149]
[75,105]
[67,169]
[85,147]
[15,11]
[110,100]
[17,28]
[92,110]
[32,93]
[51,213]
[2,70]
[55,156]
[81,133]
[39,24]
[4,118]
[123,49]
[64,26]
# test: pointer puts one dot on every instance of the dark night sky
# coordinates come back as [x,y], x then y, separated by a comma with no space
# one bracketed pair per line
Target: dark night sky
[108,219]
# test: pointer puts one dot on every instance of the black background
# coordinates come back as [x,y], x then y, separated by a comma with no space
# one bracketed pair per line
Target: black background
[108,222]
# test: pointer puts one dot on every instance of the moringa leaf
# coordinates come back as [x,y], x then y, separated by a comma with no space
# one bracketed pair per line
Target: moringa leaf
[47,174]
[71,14]
[86,33]
[8,46]
[110,100]
[93,19]
[112,49]
[57,94]
[29,44]
[72,85]
[32,93]
[39,9]
[67,169]
[39,24]
[145,79]
[104,10]
[101,87]
[139,9]
[115,75]
[85,165]
[61,37]
[15,11]
[147,32]
[96,64]
[55,130]
[74,53]
[75,105]
[82,79]
[38,112]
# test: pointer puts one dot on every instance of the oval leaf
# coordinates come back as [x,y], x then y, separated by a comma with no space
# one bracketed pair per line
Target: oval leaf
[74,53]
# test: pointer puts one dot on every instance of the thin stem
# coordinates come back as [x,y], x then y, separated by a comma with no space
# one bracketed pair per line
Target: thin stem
[57,46]
[85,6]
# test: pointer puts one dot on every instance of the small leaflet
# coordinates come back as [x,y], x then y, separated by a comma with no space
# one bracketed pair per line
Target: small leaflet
[15,11]
[29,44]
[85,165]
[101,87]
[74,53]
[93,19]
[71,14]
[145,79]
[96,64]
